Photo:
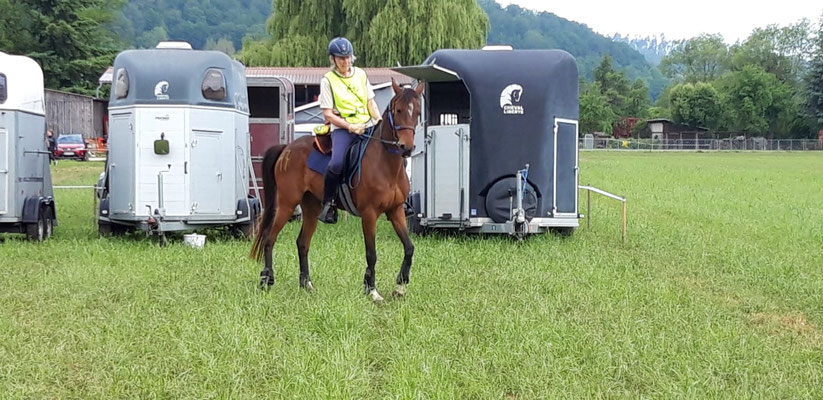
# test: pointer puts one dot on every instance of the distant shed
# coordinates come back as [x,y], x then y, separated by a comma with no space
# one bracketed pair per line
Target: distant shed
[75,113]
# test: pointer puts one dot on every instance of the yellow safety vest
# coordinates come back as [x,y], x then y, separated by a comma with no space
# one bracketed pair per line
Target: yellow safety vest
[350,96]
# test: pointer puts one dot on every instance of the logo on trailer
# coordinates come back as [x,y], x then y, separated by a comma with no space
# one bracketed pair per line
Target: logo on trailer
[510,99]
[161,90]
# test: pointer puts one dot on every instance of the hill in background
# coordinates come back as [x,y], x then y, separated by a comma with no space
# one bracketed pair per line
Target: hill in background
[203,23]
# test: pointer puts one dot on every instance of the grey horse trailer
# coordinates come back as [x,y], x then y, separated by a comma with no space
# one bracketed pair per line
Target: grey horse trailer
[26,193]
[179,151]
[496,150]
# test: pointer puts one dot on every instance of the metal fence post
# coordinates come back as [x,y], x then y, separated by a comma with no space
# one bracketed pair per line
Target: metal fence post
[588,209]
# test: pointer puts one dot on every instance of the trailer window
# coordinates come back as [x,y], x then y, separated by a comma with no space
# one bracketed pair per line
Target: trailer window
[264,102]
[449,103]
[214,85]
[121,84]
[3,91]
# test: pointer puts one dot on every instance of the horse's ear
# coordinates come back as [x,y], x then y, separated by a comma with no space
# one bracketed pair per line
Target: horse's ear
[420,86]
[395,86]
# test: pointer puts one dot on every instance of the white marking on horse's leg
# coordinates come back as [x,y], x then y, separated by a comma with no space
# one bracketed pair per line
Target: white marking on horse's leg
[375,297]
[399,291]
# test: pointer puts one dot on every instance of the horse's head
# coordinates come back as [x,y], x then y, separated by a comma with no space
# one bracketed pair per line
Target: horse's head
[404,111]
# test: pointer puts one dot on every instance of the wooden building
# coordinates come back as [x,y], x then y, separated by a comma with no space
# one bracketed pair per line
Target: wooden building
[68,113]
[667,130]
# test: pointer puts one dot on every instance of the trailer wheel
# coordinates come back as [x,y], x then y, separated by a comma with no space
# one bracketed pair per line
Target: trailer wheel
[36,232]
[48,214]
[413,223]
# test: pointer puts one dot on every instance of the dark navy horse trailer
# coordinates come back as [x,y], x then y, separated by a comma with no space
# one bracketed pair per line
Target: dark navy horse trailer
[26,194]
[179,152]
[496,151]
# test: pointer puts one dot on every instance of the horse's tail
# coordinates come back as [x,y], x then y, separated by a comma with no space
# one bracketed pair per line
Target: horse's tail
[270,201]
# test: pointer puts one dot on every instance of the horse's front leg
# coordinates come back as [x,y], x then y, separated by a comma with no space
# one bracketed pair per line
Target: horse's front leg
[398,220]
[369,220]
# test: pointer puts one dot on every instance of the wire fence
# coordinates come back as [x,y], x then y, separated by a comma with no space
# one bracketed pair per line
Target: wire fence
[730,144]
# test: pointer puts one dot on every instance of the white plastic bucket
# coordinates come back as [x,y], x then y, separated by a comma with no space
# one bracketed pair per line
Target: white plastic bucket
[194,240]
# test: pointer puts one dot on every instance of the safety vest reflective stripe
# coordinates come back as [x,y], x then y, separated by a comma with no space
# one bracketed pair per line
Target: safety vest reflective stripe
[350,96]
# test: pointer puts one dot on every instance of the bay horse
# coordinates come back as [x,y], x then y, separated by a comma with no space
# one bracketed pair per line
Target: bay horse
[382,189]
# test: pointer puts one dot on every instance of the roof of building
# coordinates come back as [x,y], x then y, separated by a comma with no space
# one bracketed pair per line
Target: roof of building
[681,126]
[302,75]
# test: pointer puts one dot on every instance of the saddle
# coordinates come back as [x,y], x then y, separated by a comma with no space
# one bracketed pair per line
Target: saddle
[318,161]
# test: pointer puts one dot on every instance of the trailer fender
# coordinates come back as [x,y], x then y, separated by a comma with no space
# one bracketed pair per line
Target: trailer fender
[243,208]
[32,207]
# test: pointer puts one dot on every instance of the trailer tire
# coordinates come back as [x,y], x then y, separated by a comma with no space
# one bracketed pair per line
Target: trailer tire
[36,231]
[48,215]
[413,223]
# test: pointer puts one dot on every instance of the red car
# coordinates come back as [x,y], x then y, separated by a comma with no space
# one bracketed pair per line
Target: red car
[71,146]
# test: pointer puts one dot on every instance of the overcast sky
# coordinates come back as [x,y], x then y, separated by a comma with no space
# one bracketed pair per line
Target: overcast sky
[681,19]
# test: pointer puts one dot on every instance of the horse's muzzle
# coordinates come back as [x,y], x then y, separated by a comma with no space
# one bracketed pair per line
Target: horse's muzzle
[407,151]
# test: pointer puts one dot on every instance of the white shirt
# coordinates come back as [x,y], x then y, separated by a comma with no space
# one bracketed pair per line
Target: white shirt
[327,99]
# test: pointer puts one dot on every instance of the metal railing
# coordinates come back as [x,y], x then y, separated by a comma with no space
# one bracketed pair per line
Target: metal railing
[589,190]
[730,144]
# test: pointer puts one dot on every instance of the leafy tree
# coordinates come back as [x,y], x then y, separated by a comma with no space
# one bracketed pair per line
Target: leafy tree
[69,38]
[145,22]
[757,103]
[223,44]
[384,33]
[695,104]
[780,51]
[814,81]
[701,59]
[638,99]
[595,113]
[624,99]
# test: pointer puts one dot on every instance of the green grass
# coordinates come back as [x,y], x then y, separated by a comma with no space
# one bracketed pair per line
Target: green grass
[717,294]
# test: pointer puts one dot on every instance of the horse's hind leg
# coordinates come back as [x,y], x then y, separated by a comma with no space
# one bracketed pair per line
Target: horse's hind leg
[369,220]
[311,209]
[398,220]
[280,218]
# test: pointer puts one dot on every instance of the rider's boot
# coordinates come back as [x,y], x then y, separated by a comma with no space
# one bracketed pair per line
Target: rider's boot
[328,214]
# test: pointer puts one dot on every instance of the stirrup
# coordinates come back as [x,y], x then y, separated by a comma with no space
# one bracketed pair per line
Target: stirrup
[329,214]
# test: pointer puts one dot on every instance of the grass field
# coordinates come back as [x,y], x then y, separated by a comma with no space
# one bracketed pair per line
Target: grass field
[719,293]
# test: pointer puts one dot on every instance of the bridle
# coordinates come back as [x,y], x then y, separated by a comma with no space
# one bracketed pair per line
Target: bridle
[394,129]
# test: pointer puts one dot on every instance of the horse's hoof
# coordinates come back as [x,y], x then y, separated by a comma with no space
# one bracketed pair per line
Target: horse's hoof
[266,280]
[399,291]
[375,297]
[307,286]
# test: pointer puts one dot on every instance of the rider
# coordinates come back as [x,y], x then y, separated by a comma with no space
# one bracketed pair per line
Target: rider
[347,101]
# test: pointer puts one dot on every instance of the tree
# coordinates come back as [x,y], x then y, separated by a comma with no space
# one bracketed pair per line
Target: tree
[696,104]
[638,99]
[779,51]
[700,59]
[68,38]
[757,103]
[814,81]
[595,113]
[195,21]
[223,44]
[383,33]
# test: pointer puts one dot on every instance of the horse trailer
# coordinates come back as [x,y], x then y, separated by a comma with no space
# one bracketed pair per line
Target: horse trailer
[179,152]
[26,194]
[497,146]
[271,119]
